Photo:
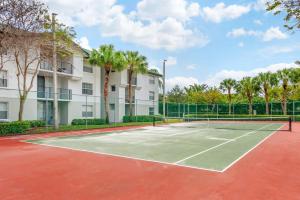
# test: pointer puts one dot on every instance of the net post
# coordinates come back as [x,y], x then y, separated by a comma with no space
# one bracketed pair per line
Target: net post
[290,123]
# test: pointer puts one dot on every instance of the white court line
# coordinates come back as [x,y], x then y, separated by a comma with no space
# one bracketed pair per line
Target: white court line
[243,155]
[214,147]
[127,157]
[217,138]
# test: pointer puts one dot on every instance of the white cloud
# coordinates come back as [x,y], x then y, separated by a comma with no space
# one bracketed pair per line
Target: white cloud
[162,31]
[273,33]
[258,22]
[270,34]
[180,10]
[191,67]
[274,50]
[260,5]
[171,61]
[214,80]
[84,42]
[220,12]
[181,81]
[238,32]
[241,44]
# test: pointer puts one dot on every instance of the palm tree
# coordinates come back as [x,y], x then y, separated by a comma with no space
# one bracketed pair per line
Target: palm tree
[248,88]
[285,78]
[228,85]
[196,88]
[266,82]
[109,59]
[135,64]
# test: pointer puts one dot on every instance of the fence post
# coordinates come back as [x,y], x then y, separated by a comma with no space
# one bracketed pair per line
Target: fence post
[85,111]
[217,110]
[233,110]
[178,110]
[196,110]
[294,110]
[271,109]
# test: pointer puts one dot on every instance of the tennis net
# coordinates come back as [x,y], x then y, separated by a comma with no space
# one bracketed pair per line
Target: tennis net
[252,123]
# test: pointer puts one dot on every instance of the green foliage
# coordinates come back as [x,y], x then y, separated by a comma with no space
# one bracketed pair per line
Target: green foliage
[176,94]
[36,123]
[141,118]
[13,128]
[291,9]
[88,121]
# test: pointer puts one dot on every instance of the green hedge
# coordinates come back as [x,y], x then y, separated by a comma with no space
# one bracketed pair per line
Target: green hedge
[141,118]
[88,121]
[36,123]
[13,128]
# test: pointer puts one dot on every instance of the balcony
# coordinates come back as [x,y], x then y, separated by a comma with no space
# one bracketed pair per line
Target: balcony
[127,99]
[47,93]
[62,66]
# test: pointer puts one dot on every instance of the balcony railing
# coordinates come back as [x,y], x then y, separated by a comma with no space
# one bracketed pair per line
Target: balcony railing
[62,66]
[47,93]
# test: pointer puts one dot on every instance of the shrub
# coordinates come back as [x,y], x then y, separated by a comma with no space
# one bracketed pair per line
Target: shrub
[36,123]
[141,118]
[88,121]
[12,128]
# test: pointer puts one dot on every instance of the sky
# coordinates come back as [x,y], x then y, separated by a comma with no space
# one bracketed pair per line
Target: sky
[204,41]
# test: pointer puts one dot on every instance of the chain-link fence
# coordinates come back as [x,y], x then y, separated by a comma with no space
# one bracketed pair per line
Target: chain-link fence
[78,109]
[217,110]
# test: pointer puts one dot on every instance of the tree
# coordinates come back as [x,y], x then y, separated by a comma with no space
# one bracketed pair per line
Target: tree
[135,64]
[22,25]
[290,7]
[228,85]
[266,82]
[248,88]
[285,77]
[213,95]
[109,59]
[196,88]
[24,32]
[176,95]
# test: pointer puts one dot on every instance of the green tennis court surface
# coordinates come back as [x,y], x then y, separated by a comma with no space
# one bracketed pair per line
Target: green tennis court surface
[214,146]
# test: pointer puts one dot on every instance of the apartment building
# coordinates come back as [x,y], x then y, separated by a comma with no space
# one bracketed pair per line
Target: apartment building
[80,91]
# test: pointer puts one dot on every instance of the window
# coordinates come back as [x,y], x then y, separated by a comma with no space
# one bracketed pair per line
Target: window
[87,88]
[113,88]
[88,69]
[3,110]
[87,111]
[151,95]
[151,80]
[151,110]
[112,106]
[3,79]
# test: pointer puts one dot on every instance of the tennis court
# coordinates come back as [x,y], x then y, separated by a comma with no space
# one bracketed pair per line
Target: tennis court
[210,144]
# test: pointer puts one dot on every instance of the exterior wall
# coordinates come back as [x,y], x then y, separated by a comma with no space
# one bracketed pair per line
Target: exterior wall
[141,92]
[73,107]
[68,109]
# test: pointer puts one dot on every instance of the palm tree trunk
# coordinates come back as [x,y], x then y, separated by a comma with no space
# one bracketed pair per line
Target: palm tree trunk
[267,104]
[229,99]
[284,99]
[130,92]
[106,80]
[250,107]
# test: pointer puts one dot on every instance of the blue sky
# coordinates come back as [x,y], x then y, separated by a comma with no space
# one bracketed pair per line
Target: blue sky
[204,41]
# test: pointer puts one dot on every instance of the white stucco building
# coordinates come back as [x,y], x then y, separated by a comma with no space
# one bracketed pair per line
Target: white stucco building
[80,91]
